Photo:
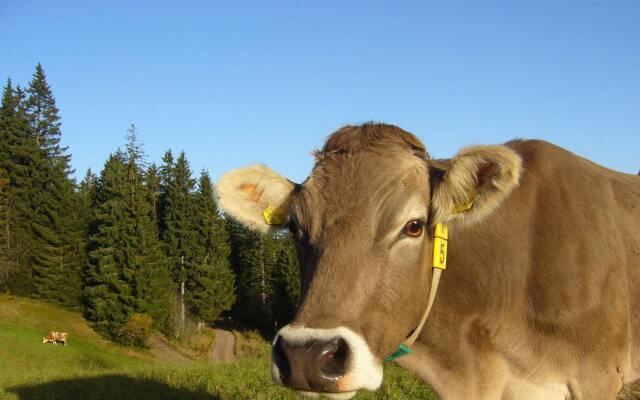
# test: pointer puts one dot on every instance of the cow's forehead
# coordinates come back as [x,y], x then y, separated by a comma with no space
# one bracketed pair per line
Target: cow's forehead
[362,186]
[363,174]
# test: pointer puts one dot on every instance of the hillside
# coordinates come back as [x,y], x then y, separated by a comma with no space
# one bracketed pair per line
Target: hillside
[92,368]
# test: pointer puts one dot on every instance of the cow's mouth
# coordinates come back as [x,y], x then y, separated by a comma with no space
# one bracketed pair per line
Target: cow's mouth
[334,363]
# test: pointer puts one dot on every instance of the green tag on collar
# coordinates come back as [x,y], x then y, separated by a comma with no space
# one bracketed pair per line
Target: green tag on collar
[401,351]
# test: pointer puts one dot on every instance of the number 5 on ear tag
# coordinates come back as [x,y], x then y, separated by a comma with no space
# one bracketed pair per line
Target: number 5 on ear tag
[440,238]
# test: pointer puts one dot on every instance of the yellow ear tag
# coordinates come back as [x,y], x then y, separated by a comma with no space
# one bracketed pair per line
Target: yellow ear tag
[440,237]
[274,216]
[471,201]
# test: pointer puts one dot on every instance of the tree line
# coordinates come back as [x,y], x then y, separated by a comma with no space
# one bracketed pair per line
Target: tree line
[138,238]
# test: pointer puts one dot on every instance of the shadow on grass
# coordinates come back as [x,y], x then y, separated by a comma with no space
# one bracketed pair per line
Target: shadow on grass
[107,387]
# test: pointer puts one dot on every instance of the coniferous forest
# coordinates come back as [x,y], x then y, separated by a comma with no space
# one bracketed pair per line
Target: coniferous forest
[138,240]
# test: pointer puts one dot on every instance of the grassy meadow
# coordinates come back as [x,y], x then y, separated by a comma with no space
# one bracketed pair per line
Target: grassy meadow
[92,368]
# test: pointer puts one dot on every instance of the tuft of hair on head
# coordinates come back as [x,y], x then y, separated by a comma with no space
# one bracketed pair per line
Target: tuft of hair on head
[371,136]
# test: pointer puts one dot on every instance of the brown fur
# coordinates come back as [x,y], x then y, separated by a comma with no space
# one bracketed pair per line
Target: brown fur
[56,337]
[542,290]
[370,137]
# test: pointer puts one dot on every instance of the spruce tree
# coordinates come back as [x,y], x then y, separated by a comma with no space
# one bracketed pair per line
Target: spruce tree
[267,277]
[154,279]
[178,216]
[148,266]
[177,224]
[253,257]
[127,271]
[210,288]
[55,255]
[18,157]
[44,119]
[5,192]
[165,173]
[86,200]
[109,297]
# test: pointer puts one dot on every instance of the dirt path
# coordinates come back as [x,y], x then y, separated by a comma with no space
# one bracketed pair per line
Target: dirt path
[163,351]
[224,348]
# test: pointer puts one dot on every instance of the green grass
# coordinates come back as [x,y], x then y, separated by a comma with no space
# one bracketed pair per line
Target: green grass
[91,368]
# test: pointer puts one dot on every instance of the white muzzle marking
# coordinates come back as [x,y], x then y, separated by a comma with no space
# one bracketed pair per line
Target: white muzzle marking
[364,370]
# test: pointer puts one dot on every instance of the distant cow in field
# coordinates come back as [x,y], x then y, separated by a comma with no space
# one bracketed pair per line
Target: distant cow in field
[541,294]
[56,337]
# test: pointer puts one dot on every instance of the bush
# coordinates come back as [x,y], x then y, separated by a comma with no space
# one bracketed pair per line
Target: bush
[136,331]
[251,344]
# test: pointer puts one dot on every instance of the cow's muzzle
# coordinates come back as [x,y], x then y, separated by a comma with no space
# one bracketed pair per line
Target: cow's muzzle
[316,365]
[324,361]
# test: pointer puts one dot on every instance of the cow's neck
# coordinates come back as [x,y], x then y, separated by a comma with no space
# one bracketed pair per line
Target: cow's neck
[466,292]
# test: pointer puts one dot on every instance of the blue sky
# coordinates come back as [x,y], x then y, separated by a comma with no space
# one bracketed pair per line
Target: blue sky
[238,82]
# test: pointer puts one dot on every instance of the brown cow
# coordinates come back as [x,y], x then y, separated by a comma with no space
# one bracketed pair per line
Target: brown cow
[56,337]
[541,295]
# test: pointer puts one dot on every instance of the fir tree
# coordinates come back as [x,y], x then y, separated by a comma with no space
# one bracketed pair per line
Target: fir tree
[86,200]
[178,214]
[267,277]
[133,150]
[18,157]
[152,284]
[55,255]
[154,281]
[165,173]
[109,298]
[253,257]
[5,187]
[44,119]
[177,224]
[178,230]
[210,281]
[127,271]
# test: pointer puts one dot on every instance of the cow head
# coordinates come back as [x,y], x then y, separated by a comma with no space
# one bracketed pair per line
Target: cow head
[362,223]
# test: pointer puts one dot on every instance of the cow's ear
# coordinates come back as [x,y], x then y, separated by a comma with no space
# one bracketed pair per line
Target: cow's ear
[474,184]
[256,196]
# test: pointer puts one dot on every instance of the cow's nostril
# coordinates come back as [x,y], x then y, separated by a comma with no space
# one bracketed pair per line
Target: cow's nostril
[333,359]
[281,360]
[312,365]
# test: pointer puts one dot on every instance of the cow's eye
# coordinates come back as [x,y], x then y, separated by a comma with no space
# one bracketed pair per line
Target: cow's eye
[413,228]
